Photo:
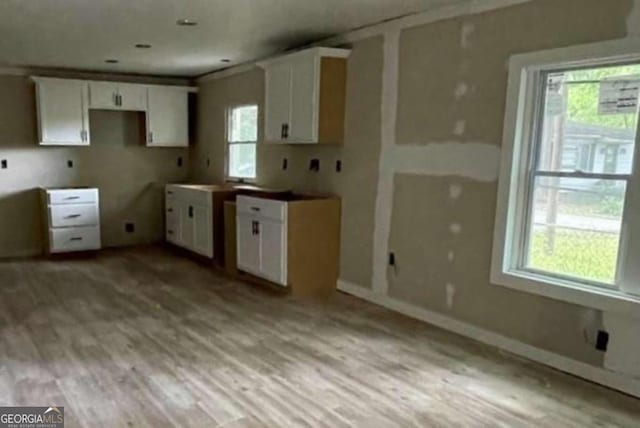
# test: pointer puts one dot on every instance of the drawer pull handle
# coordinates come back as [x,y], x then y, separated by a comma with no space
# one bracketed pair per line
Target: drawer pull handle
[255,208]
[70,198]
[74,216]
[170,210]
[170,232]
[76,239]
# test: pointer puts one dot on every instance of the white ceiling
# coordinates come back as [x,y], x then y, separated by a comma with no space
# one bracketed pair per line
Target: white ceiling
[82,34]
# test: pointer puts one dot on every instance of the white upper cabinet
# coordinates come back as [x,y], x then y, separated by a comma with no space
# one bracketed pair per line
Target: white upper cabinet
[132,97]
[278,99]
[63,111]
[304,100]
[167,117]
[305,97]
[117,96]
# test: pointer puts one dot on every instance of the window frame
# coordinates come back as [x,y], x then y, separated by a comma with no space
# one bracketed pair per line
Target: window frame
[523,109]
[229,143]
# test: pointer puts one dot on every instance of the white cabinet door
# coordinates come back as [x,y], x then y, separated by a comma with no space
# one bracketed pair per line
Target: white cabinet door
[132,97]
[304,100]
[167,117]
[278,101]
[173,211]
[273,251]
[103,95]
[187,227]
[248,244]
[203,234]
[62,112]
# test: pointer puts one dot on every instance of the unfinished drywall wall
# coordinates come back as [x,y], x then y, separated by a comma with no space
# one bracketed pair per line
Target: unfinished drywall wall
[359,154]
[451,90]
[130,176]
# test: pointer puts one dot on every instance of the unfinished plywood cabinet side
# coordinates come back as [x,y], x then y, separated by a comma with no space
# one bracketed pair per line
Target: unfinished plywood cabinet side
[314,246]
[333,92]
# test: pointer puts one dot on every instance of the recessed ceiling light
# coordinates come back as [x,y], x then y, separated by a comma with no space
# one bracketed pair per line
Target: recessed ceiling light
[143,46]
[186,22]
[111,61]
[225,60]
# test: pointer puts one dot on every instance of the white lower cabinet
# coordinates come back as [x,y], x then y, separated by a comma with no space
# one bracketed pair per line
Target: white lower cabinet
[262,238]
[72,219]
[189,219]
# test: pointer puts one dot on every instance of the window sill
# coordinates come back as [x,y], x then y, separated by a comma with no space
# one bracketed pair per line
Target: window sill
[583,295]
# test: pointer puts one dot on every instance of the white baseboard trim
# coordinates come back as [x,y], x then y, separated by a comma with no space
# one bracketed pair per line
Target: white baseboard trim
[617,381]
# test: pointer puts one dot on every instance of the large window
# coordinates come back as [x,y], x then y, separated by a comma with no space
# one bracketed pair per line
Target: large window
[242,137]
[567,211]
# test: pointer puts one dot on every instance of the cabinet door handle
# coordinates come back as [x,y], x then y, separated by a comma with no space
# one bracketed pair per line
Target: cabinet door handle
[170,210]
[282,131]
[286,130]
[151,137]
[70,198]
[76,239]
[170,232]
[73,216]
[120,100]
[255,209]
[190,212]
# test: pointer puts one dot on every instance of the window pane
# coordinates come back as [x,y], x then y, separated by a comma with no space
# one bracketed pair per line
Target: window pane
[590,119]
[244,124]
[575,229]
[242,160]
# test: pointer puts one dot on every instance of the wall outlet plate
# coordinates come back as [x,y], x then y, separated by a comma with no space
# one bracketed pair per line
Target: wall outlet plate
[602,340]
[130,227]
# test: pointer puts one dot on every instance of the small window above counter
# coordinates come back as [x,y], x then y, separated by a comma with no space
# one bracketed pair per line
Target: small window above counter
[63,110]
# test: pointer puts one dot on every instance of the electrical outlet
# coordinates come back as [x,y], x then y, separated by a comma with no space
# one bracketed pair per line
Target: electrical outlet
[4,164]
[602,340]
[70,163]
[130,227]
[180,161]
[208,162]
[314,165]
[285,164]
[338,165]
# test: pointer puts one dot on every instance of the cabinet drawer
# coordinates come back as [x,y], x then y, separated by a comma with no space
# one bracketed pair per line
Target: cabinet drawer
[73,215]
[267,208]
[74,239]
[187,195]
[72,196]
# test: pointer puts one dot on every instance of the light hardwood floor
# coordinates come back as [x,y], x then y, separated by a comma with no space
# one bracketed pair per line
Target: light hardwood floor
[143,337]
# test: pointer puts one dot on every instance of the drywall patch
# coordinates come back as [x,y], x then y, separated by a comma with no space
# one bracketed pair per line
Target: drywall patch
[633,21]
[465,35]
[455,190]
[473,160]
[451,294]
[461,90]
[455,228]
[623,352]
[384,199]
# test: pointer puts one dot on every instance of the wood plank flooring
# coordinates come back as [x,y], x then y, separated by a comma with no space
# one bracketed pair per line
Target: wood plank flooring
[145,338]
